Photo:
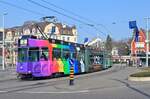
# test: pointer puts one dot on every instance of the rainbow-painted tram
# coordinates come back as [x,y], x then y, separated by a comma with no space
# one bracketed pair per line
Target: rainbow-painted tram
[50,57]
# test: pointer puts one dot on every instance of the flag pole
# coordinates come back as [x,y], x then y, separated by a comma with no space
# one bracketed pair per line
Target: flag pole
[147,41]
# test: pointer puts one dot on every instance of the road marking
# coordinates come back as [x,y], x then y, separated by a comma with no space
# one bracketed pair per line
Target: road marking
[3,91]
[60,92]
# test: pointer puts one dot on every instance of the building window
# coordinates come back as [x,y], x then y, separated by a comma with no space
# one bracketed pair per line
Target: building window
[33,31]
[53,29]
[26,31]
[1,36]
[75,33]
[9,34]
[16,33]
[68,38]
[63,38]
[57,37]
[1,51]
[75,39]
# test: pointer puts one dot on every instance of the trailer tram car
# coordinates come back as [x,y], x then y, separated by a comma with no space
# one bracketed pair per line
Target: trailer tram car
[50,58]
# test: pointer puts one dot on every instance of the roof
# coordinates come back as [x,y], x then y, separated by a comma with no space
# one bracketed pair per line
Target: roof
[33,24]
[94,41]
[67,30]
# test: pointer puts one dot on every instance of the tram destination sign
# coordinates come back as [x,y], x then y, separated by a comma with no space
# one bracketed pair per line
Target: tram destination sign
[23,42]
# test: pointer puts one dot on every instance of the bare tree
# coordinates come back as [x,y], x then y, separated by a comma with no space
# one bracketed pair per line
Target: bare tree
[108,44]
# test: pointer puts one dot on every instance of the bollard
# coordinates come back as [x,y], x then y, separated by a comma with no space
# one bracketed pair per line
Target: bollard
[71,76]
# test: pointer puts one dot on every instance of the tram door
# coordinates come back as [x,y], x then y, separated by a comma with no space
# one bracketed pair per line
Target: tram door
[44,61]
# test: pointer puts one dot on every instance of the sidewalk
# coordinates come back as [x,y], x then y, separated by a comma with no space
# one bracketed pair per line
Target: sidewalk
[8,74]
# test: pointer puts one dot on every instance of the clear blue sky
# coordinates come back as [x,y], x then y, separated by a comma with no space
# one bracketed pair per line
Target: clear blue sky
[100,11]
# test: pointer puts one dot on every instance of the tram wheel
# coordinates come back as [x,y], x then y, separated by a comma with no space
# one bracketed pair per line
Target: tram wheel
[20,77]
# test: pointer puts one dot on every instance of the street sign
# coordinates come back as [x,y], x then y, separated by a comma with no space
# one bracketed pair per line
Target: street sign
[132,24]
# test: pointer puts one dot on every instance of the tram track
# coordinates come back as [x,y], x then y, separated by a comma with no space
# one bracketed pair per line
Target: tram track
[84,75]
[53,82]
[105,72]
[30,86]
[3,81]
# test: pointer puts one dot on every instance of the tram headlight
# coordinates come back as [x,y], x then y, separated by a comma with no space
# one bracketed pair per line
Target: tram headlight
[21,67]
[29,71]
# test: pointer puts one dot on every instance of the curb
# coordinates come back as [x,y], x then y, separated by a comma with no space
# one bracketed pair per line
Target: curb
[139,78]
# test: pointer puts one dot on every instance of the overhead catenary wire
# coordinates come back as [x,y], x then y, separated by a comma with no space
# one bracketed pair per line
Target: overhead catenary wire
[81,17]
[68,11]
[60,13]
[22,8]
[43,34]
[41,14]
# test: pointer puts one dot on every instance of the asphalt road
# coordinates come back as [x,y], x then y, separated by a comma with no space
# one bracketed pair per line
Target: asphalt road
[110,84]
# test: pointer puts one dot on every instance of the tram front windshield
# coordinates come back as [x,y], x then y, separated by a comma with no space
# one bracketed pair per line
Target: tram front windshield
[22,54]
[33,54]
[28,54]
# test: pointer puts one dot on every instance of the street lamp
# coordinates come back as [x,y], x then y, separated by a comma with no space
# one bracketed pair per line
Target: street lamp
[147,41]
[3,62]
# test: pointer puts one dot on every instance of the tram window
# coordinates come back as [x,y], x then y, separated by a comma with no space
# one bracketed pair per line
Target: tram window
[44,54]
[22,54]
[66,53]
[33,54]
[56,53]
[74,55]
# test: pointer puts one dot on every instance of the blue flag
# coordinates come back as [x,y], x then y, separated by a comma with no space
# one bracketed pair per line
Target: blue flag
[136,34]
[132,24]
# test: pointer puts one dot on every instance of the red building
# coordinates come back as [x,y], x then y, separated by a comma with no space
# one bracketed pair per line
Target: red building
[138,47]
